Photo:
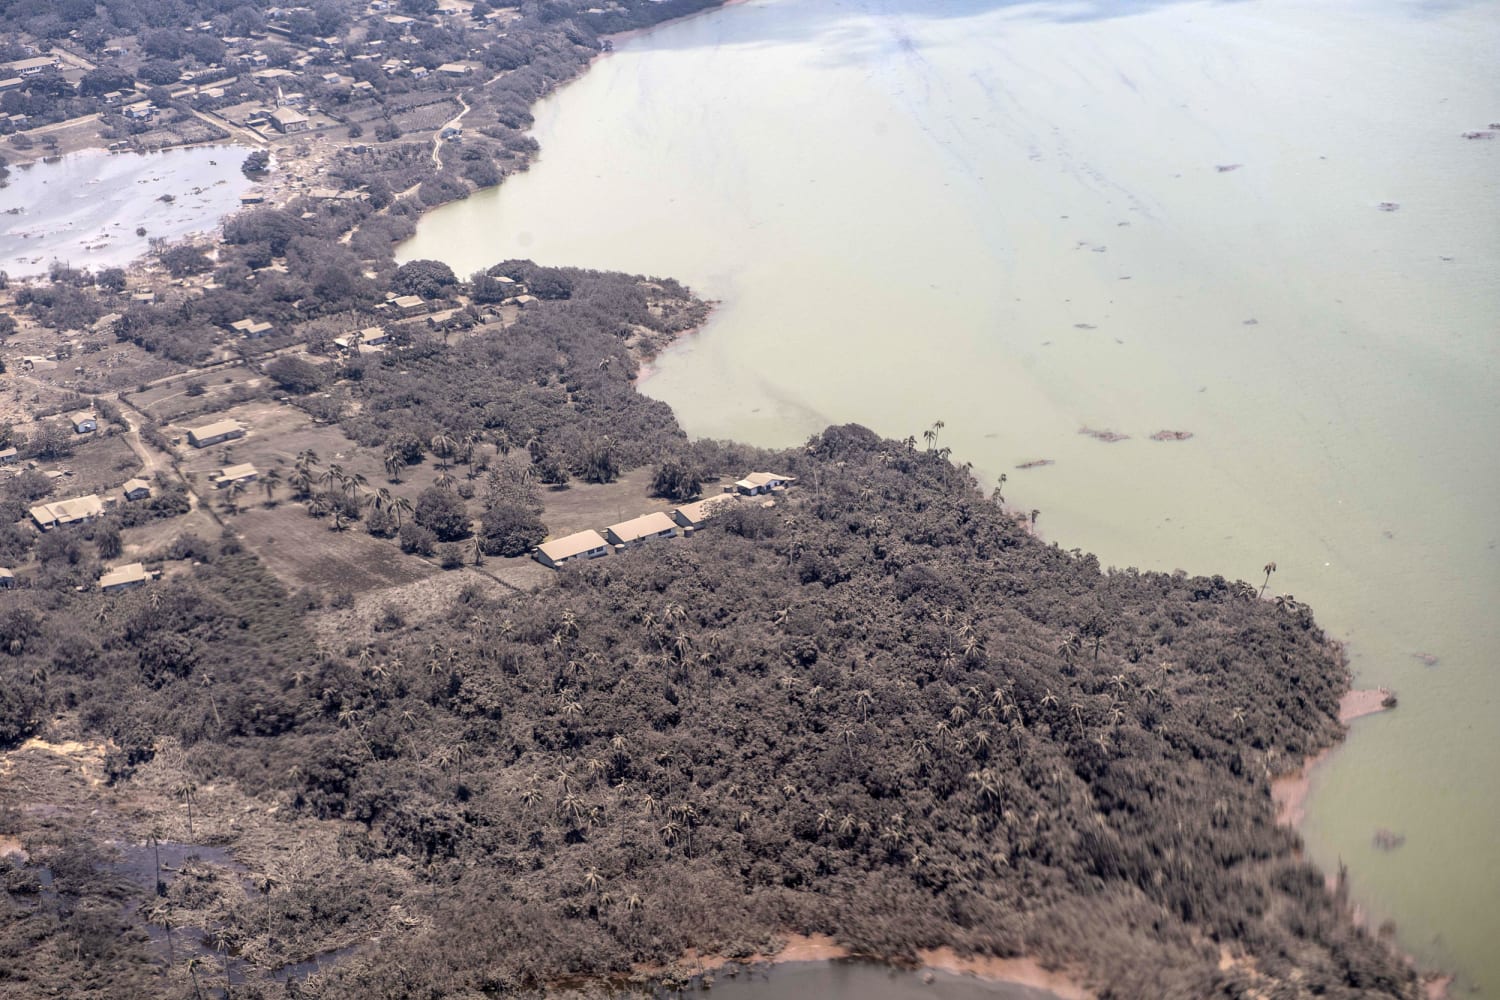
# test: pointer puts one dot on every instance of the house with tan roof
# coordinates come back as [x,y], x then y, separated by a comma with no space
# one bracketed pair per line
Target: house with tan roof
[124,577]
[219,430]
[136,489]
[582,545]
[762,482]
[693,515]
[641,529]
[231,474]
[63,512]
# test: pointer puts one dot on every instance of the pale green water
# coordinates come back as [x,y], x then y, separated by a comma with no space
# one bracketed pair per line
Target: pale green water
[1009,218]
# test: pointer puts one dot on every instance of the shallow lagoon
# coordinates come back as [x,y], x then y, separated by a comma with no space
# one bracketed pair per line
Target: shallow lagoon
[83,209]
[1256,222]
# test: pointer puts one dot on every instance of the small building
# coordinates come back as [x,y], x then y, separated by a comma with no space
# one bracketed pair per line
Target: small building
[583,545]
[523,301]
[7,456]
[693,515]
[210,434]
[112,98]
[106,323]
[761,482]
[64,512]
[144,298]
[84,423]
[454,69]
[641,529]
[7,578]
[231,474]
[140,111]
[136,489]
[251,329]
[124,577]
[31,67]
[410,305]
[286,121]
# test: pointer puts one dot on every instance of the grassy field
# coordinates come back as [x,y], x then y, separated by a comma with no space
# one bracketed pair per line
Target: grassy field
[305,552]
[99,464]
[173,402]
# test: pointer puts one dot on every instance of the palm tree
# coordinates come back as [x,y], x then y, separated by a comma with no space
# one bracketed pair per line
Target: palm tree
[443,447]
[1070,646]
[193,964]
[270,481]
[306,460]
[155,838]
[160,914]
[1000,489]
[232,496]
[354,483]
[187,789]
[1270,568]
[444,480]
[864,699]
[399,506]
[394,463]
[301,482]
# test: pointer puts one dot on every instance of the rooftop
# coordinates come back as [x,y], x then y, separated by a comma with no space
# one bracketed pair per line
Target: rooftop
[572,545]
[644,526]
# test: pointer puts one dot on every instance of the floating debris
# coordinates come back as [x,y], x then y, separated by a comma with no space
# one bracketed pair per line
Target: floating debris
[1252,321]
[1225,168]
[1171,435]
[1109,437]
[1389,206]
[1084,326]
[1388,840]
[1036,463]
[1481,134]
[1426,659]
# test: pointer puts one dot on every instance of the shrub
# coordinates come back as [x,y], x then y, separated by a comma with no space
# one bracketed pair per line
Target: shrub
[417,540]
[443,513]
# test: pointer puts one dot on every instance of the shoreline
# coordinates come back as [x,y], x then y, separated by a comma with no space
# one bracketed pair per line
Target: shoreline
[808,948]
[1289,791]
[629,33]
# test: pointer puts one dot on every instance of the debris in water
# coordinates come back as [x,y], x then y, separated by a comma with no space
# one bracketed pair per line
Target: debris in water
[1480,134]
[1036,463]
[1171,435]
[1084,326]
[1426,659]
[1388,206]
[1225,168]
[1388,840]
[1252,321]
[1108,437]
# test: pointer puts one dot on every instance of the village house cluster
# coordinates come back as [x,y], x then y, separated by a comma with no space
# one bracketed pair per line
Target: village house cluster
[637,531]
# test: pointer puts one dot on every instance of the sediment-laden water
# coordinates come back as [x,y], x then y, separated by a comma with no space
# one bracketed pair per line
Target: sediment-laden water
[1259,223]
[83,210]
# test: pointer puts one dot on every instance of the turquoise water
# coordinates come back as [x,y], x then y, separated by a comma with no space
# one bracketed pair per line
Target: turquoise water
[1255,222]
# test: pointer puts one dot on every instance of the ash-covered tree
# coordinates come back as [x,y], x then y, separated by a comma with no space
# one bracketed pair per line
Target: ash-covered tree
[427,278]
[509,529]
[256,163]
[295,375]
[443,513]
[676,479]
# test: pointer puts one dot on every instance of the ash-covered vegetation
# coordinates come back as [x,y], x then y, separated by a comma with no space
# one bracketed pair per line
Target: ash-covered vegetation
[882,710]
